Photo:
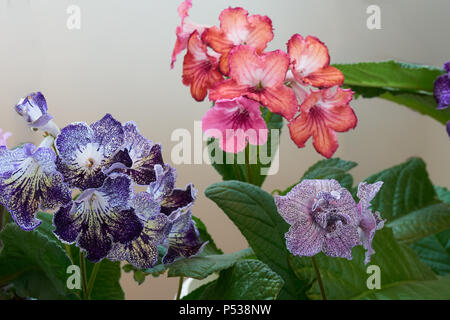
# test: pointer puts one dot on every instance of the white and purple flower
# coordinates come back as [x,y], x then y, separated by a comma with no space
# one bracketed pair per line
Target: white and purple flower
[29,182]
[86,152]
[324,217]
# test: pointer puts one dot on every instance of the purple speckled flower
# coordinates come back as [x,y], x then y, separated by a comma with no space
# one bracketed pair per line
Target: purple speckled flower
[142,252]
[163,191]
[369,222]
[85,152]
[29,182]
[442,88]
[99,217]
[323,217]
[33,108]
[184,239]
[144,156]
[448,128]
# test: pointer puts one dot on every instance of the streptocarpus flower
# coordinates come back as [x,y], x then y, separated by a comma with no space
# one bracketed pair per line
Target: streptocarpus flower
[258,77]
[99,217]
[142,252]
[184,238]
[200,69]
[163,191]
[323,217]
[4,137]
[323,113]
[33,109]
[85,152]
[442,88]
[235,122]
[448,128]
[184,30]
[369,221]
[143,153]
[237,28]
[310,62]
[29,182]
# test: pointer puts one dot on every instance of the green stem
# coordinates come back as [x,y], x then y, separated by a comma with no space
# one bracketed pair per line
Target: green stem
[2,217]
[247,163]
[180,287]
[319,279]
[92,280]
[83,273]
[237,172]
[69,252]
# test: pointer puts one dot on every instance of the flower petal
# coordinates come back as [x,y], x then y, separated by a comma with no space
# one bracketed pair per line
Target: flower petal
[227,89]
[164,183]
[307,55]
[442,91]
[340,242]
[178,198]
[325,77]
[280,100]
[304,238]
[200,70]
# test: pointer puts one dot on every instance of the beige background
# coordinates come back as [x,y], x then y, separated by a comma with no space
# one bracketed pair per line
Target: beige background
[119,63]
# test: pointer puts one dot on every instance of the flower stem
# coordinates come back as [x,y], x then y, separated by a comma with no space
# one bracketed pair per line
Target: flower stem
[83,273]
[180,287]
[92,279]
[236,172]
[247,163]
[319,279]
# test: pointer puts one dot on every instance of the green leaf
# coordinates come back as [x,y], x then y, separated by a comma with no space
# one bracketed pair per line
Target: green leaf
[228,171]
[406,188]
[410,85]
[247,280]
[254,212]
[435,251]
[329,169]
[415,290]
[107,283]
[345,279]
[34,264]
[422,223]
[197,293]
[202,266]
[443,194]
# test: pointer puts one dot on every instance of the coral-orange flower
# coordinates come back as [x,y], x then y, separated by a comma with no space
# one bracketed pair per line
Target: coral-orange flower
[310,62]
[258,77]
[323,113]
[238,28]
[200,70]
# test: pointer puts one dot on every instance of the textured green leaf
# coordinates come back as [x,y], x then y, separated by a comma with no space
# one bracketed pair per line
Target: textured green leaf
[415,290]
[390,75]
[254,212]
[410,85]
[344,279]
[247,280]
[435,251]
[239,172]
[202,266]
[329,169]
[34,264]
[443,194]
[422,223]
[197,293]
[406,188]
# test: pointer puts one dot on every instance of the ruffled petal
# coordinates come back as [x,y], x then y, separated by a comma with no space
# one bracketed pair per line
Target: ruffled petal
[184,238]
[33,184]
[200,70]
[247,67]
[304,238]
[178,198]
[108,133]
[442,91]
[227,89]
[325,77]
[307,55]
[100,217]
[341,241]
[324,139]
[301,129]
[280,100]
[164,183]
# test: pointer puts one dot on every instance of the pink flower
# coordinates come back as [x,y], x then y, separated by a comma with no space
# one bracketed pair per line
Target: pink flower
[184,30]
[235,122]
[323,113]
[237,28]
[258,77]
[4,137]
[200,70]
[310,62]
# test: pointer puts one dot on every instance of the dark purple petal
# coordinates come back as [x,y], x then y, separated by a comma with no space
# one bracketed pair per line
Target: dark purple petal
[447,66]
[177,199]
[67,226]
[125,226]
[184,238]
[34,184]
[448,128]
